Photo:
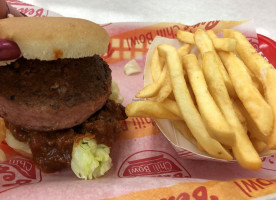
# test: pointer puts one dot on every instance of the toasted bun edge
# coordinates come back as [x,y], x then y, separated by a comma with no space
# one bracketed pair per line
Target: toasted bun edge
[50,38]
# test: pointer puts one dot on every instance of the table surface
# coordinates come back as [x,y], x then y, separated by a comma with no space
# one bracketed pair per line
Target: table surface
[187,12]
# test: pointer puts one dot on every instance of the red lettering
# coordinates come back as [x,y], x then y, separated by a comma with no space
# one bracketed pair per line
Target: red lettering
[214,197]
[149,37]
[251,185]
[31,11]
[196,25]
[134,123]
[124,126]
[109,52]
[242,189]
[148,120]
[138,122]
[142,38]
[264,182]
[211,25]
[133,41]
[176,27]
[183,196]
[22,10]
[185,28]
[248,186]
[200,193]
[161,33]
[39,12]
[270,159]
[169,32]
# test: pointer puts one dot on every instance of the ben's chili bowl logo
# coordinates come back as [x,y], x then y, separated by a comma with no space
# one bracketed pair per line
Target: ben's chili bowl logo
[152,163]
[17,172]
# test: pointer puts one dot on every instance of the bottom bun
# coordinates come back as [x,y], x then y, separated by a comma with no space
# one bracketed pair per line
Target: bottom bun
[22,148]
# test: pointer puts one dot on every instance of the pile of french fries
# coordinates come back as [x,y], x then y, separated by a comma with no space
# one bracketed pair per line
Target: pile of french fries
[223,99]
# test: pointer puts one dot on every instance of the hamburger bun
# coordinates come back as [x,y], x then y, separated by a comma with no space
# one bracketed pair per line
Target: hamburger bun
[50,38]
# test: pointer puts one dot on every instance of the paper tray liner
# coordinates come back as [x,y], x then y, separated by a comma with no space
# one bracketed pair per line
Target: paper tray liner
[156,166]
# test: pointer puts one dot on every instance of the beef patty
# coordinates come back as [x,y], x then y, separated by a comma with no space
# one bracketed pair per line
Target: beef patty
[53,95]
[52,151]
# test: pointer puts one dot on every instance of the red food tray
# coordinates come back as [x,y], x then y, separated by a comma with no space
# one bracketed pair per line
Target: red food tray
[268,47]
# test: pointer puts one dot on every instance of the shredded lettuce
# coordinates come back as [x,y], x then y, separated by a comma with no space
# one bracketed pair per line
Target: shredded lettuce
[90,160]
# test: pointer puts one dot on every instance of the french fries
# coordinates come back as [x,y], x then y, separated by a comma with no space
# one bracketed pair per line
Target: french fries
[172,105]
[250,124]
[166,89]
[181,126]
[186,106]
[218,126]
[253,60]
[243,150]
[264,71]
[152,89]
[185,36]
[204,44]
[154,110]
[253,101]
[223,103]
[184,50]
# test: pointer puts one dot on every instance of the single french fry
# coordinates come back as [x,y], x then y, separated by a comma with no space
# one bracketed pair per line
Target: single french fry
[199,58]
[243,151]
[152,89]
[211,34]
[270,86]
[191,93]
[204,44]
[259,110]
[172,106]
[251,125]
[252,59]
[257,83]
[240,114]
[217,125]
[185,36]
[165,90]
[259,145]
[156,65]
[184,50]
[154,110]
[224,44]
[186,106]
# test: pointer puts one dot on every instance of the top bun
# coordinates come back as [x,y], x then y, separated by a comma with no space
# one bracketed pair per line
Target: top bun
[50,38]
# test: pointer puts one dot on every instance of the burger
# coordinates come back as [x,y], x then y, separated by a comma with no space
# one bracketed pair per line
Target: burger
[55,93]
